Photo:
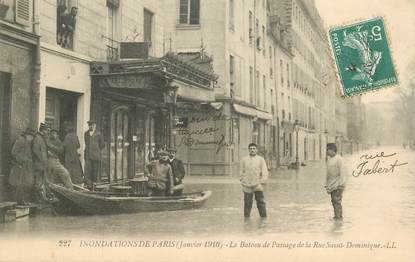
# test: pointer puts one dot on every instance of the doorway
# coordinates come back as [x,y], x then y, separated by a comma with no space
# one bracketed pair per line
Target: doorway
[5,109]
[61,107]
[120,144]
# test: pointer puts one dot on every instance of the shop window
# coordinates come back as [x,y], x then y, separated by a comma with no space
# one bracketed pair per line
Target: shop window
[66,15]
[189,12]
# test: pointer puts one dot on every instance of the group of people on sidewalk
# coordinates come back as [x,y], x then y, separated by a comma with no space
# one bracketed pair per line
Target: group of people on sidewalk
[254,174]
[41,157]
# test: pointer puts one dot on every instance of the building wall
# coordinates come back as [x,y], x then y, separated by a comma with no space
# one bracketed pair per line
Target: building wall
[17,58]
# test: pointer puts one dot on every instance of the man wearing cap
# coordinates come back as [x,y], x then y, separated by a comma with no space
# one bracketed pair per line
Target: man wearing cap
[178,170]
[94,143]
[21,174]
[161,175]
[56,171]
[335,180]
[40,160]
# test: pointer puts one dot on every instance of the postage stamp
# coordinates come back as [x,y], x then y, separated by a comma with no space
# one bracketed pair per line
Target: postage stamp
[363,56]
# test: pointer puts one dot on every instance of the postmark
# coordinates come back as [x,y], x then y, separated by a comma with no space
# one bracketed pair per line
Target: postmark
[363,56]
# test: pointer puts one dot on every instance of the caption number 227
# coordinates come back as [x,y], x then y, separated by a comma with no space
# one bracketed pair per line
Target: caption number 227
[64,243]
[376,32]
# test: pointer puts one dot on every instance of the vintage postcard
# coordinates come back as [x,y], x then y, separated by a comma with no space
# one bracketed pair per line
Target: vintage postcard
[207,130]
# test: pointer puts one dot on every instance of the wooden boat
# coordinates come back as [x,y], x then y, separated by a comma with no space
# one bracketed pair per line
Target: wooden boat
[83,201]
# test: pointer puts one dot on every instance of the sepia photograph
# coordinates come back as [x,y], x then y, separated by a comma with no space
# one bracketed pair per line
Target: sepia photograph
[207,130]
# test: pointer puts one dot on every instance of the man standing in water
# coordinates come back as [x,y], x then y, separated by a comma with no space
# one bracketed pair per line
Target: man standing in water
[335,180]
[254,174]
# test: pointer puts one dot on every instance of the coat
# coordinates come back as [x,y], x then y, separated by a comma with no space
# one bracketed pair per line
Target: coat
[72,162]
[40,152]
[161,175]
[93,145]
[21,173]
[178,170]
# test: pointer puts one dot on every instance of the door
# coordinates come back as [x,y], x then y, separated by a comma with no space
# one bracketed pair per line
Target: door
[5,106]
[120,144]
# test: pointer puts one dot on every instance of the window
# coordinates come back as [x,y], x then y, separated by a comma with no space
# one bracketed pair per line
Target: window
[282,72]
[112,31]
[263,40]
[148,26]
[232,74]
[251,85]
[251,28]
[264,91]
[66,12]
[257,87]
[232,15]
[288,75]
[258,38]
[189,12]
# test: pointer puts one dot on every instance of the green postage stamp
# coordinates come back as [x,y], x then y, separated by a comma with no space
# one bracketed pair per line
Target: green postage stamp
[363,56]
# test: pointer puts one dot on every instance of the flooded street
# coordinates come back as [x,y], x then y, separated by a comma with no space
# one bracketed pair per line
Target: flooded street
[296,203]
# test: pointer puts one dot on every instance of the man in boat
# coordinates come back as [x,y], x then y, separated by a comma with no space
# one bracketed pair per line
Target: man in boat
[21,174]
[40,161]
[254,174]
[94,143]
[178,172]
[56,171]
[161,175]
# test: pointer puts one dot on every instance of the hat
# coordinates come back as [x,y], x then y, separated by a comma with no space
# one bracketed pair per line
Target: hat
[172,150]
[90,122]
[29,131]
[162,153]
[44,125]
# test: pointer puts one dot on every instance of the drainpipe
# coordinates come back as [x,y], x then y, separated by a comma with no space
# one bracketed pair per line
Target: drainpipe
[36,68]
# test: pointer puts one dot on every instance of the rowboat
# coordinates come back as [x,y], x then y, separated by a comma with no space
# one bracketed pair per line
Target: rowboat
[83,201]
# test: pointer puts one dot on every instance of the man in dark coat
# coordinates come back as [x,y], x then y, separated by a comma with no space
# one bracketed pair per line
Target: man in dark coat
[72,162]
[178,170]
[94,143]
[40,160]
[21,174]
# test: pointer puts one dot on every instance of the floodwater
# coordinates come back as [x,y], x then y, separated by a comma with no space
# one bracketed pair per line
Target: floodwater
[296,203]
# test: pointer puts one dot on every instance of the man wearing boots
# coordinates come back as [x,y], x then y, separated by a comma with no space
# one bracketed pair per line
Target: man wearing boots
[254,174]
[335,180]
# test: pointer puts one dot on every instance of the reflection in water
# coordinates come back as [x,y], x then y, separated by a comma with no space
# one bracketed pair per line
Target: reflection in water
[296,203]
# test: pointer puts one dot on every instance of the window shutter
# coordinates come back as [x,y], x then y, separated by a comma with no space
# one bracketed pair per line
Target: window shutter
[24,11]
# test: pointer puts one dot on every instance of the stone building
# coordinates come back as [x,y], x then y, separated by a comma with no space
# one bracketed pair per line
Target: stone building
[313,83]
[19,76]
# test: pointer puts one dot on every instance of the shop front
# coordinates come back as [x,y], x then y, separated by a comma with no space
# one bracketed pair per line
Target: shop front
[134,104]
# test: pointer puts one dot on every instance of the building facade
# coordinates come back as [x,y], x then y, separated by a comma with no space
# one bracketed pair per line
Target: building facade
[236,35]
[19,77]
[313,82]
[109,61]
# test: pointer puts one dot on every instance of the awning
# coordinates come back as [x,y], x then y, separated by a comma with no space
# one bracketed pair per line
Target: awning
[244,110]
[251,112]
[188,92]
[264,115]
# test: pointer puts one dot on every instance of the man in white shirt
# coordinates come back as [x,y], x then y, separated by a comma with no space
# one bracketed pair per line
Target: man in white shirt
[336,179]
[254,174]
